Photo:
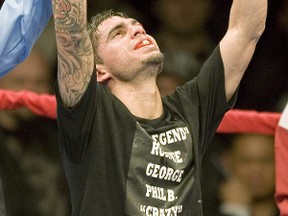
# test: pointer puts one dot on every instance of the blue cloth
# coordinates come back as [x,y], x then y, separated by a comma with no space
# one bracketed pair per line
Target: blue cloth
[21,23]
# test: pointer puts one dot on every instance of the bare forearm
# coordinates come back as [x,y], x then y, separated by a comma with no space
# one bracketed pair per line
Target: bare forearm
[75,55]
[248,17]
[246,25]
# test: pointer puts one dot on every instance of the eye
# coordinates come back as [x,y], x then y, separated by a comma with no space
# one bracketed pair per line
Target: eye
[118,33]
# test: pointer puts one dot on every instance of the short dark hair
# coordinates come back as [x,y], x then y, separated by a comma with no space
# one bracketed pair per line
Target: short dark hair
[93,25]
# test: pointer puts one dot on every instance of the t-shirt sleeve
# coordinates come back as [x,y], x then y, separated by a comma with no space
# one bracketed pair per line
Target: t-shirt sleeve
[211,86]
[203,100]
[21,23]
[74,124]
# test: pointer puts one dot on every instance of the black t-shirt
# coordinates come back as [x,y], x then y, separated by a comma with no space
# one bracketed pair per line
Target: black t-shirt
[118,164]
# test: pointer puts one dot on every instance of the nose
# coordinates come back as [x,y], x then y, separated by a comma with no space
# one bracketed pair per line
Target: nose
[137,30]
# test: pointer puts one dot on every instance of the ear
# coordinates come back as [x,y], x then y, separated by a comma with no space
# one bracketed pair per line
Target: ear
[102,74]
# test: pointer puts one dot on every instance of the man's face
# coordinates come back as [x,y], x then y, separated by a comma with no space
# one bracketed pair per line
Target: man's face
[253,163]
[126,49]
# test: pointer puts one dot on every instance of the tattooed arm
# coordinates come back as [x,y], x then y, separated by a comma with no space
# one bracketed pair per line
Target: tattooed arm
[75,54]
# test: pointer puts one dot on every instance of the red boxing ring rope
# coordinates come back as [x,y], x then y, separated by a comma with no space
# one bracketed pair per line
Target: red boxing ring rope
[39,104]
[235,121]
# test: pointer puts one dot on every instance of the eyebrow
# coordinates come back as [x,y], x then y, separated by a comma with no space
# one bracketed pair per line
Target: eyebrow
[121,25]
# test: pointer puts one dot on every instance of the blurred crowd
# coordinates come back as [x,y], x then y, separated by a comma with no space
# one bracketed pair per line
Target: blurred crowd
[187,31]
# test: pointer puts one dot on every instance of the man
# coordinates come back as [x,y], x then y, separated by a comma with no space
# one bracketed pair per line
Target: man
[30,169]
[21,23]
[126,151]
[249,187]
[178,27]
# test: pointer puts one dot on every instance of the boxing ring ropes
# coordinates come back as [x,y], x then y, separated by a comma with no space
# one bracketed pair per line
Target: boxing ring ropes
[234,121]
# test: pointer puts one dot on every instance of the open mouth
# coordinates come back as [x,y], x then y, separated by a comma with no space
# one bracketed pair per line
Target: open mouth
[143,44]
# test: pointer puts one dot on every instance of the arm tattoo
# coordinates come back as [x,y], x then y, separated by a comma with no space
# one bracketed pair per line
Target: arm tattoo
[75,55]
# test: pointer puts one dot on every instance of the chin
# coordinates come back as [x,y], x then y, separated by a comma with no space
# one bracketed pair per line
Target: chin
[154,58]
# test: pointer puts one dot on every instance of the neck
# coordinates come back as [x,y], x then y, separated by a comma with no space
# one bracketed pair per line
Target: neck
[142,99]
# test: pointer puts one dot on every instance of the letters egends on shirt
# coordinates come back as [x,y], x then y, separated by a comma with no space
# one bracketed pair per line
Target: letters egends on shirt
[160,166]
